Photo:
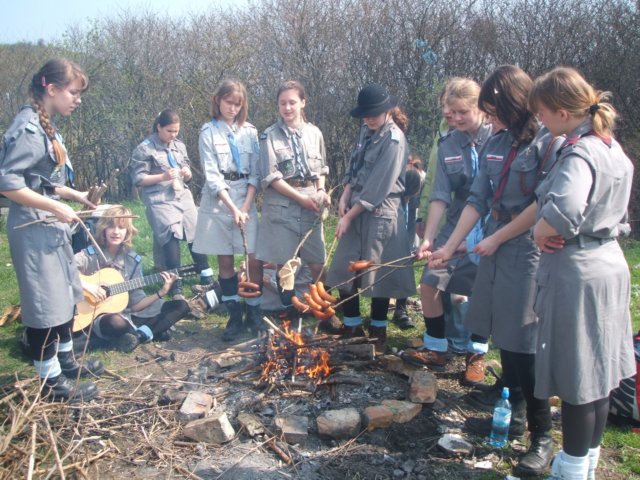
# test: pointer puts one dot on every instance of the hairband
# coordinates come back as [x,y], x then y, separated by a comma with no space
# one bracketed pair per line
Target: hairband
[594,108]
[43,81]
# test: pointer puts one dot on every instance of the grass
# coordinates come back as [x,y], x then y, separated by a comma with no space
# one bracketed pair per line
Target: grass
[13,362]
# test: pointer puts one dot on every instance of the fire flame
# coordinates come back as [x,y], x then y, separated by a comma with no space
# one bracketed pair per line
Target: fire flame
[282,356]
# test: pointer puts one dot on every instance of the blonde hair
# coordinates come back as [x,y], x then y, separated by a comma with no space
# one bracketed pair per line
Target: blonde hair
[565,88]
[226,88]
[465,89]
[59,72]
[108,221]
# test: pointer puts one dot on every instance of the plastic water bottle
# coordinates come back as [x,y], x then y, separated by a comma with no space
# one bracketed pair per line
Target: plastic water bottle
[501,420]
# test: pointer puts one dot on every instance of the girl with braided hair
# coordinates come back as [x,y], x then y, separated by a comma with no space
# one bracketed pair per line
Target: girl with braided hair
[33,170]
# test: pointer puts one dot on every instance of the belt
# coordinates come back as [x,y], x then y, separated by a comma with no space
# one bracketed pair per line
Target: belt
[584,239]
[299,183]
[233,176]
[502,215]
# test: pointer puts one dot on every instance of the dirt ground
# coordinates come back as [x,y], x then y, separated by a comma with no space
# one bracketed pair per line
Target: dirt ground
[136,435]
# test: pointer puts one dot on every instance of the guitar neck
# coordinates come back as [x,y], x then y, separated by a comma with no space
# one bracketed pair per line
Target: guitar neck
[140,282]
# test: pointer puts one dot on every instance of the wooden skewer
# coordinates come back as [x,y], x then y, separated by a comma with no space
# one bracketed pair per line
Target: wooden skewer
[85,214]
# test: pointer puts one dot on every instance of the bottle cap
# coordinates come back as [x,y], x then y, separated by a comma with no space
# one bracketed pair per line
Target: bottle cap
[505,392]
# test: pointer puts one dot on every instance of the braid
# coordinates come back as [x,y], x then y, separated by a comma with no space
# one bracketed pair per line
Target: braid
[43,116]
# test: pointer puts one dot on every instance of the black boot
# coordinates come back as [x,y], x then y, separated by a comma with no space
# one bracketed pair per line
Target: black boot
[234,325]
[483,396]
[253,319]
[61,389]
[517,427]
[176,290]
[401,317]
[91,367]
[538,458]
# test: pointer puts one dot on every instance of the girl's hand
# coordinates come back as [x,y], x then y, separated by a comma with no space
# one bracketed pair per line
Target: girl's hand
[64,213]
[322,198]
[549,244]
[309,202]
[343,226]
[240,217]
[441,257]
[169,279]
[185,172]
[487,246]
[424,251]
[171,174]
[343,205]
[95,291]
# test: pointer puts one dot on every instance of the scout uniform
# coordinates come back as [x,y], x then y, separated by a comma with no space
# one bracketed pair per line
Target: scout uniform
[129,264]
[376,176]
[504,288]
[216,232]
[41,253]
[584,334]
[455,172]
[298,158]
[171,213]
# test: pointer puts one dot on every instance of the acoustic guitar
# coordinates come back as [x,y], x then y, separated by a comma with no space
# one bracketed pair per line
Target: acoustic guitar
[117,289]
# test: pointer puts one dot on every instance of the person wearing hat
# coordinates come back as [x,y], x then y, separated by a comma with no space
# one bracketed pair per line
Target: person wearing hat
[371,224]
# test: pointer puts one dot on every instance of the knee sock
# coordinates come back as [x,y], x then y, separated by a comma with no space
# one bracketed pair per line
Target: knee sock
[434,334]
[379,311]
[229,288]
[351,309]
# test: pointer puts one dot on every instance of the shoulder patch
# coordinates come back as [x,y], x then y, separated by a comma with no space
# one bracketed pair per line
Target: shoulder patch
[31,127]
[137,258]
[395,135]
[91,250]
[263,136]
[146,142]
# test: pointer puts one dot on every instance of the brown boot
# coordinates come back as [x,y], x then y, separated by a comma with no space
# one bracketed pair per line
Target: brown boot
[381,334]
[429,358]
[474,372]
[352,332]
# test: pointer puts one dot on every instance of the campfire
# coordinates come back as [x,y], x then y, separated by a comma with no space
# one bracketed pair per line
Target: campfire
[289,356]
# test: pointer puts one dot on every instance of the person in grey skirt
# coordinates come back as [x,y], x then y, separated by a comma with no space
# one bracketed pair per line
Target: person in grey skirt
[33,171]
[229,154]
[457,166]
[371,225]
[293,169]
[513,162]
[584,344]
[160,167]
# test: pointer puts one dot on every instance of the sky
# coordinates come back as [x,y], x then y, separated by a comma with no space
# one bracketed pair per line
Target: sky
[35,20]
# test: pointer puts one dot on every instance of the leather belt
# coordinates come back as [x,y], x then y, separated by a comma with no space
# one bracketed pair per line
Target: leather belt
[502,215]
[233,176]
[584,239]
[299,183]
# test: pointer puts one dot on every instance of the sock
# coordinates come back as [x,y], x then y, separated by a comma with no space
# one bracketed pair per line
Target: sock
[48,368]
[147,334]
[352,321]
[477,347]
[206,276]
[435,344]
[66,346]
[378,323]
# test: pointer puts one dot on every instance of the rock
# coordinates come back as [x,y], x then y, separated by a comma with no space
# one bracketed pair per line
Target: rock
[343,423]
[250,423]
[402,411]
[294,428]
[377,416]
[415,342]
[398,473]
[483,465]
[424,387]
[393,363]
[171,395]
[213,429]
[454,444]
[227,360]
[409,465]
[196,405]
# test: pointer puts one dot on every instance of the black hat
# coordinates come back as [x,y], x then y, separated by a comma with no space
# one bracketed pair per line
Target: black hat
[373,100]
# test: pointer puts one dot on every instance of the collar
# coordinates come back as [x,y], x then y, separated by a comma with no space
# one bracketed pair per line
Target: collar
[224,126]
[287,131]
[159,144]
[583,130]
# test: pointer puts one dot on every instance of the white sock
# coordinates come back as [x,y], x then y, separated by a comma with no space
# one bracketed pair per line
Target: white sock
[594,457]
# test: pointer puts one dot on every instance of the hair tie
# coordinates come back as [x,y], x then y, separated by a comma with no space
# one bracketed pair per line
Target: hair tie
[43,81]
[594,108]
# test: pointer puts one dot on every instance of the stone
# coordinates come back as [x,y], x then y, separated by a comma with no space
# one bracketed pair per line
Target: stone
[393,363]
[424,387]
[171,395]
[344,423]
[454,444]
[294,428]
[213,429]
[415,342]
[409,465]
[228,360]
[377,416]
[403,412]
[250,423]
[196,405]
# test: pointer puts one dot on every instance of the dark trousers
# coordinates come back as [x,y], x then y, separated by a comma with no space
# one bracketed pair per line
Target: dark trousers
[42,341]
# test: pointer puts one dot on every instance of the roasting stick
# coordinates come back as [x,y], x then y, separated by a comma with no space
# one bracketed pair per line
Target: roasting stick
[82,214]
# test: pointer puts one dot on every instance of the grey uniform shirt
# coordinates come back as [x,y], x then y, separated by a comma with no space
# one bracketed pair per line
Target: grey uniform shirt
[170,213]
[454,174]
[41,253]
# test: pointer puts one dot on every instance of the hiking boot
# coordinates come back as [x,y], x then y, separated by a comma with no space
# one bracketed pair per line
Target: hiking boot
[234,325]
[352,332]
[201,289]
[381,334]
[61,389]
[402,319]
[484,396]
[333,326]
[538,458]
[91,367]
[474,371]
[198,307]
[426,358]
[253,319]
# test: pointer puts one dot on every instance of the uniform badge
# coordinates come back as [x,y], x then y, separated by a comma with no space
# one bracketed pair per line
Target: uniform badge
[286,167]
